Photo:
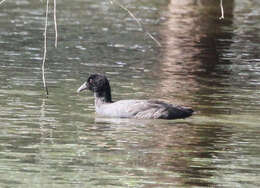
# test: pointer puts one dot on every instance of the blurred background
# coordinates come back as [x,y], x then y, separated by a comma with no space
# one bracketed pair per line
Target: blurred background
[209,64]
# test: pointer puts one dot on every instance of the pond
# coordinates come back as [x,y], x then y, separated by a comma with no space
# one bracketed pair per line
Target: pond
[209,64]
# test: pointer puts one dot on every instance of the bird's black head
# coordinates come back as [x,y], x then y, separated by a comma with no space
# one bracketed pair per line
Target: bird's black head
[98,84]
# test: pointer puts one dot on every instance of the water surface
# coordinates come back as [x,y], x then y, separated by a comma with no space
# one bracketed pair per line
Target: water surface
[206,63]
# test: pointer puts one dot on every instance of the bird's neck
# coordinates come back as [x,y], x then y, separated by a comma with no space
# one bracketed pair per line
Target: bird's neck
[102,98]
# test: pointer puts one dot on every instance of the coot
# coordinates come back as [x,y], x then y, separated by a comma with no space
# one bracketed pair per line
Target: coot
[140,109]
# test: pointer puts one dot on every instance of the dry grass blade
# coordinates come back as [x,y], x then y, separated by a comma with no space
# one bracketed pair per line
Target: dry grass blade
[137,21]
[2,1]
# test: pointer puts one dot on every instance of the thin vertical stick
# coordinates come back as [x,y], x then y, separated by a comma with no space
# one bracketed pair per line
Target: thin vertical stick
[222,10]
[2,1]
[45,48]
[55,23]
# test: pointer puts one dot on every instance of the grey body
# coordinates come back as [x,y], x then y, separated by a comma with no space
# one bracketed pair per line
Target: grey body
[140,109]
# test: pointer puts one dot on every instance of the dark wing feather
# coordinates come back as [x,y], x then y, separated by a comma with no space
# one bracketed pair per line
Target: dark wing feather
[160,110]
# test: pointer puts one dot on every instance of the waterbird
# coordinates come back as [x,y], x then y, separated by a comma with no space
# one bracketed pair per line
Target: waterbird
[139,109]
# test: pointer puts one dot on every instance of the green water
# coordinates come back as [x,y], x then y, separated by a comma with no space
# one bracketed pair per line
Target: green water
[211,65]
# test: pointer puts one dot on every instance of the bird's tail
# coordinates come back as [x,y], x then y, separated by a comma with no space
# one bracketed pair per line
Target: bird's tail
[189,110]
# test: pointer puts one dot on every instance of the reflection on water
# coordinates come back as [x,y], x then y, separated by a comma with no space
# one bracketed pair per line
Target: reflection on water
[191,46]
[205,63]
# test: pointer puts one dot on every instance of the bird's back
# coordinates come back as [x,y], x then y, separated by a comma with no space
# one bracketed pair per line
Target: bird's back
[143,109]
